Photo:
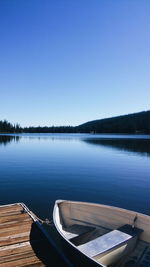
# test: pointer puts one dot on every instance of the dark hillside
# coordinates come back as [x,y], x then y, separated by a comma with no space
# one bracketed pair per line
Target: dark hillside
[131,123]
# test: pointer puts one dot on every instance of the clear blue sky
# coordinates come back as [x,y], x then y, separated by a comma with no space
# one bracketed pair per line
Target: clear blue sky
[65,62]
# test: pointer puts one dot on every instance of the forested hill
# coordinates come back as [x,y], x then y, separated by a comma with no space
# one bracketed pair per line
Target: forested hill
[131,123]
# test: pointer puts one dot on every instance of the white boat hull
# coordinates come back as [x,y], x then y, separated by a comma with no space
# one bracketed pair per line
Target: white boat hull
[71,218]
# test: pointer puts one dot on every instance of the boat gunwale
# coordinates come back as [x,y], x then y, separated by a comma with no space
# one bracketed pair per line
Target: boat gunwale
[103,206]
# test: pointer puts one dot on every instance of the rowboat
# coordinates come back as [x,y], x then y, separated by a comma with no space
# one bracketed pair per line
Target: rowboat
[104,235]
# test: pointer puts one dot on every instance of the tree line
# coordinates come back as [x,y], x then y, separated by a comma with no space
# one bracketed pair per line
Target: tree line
[131,123]
[52,129]
[7,127]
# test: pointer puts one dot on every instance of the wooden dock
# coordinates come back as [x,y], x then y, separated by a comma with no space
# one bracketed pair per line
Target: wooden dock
[22,243]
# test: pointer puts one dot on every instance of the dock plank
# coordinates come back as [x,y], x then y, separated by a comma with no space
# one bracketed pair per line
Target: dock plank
[13,239]
[10,208]
[9,218]
[15,230]
[22,262]
[15,249]
[18,256]
[21,241]
[14,223]
[10,213]
[15,227]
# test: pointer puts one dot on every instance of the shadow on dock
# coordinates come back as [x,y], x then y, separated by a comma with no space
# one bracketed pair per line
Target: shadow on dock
[44,249]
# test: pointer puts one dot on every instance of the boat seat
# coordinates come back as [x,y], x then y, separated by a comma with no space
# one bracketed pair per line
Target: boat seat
[109,241]
[76,230]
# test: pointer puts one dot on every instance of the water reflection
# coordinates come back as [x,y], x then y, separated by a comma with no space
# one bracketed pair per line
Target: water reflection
[6,139]
[140,146]
[136,145]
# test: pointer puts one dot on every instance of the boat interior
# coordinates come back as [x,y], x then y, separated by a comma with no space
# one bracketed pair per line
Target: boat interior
[108,235]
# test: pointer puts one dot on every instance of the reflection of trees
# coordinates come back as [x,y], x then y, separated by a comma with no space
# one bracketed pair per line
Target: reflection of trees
[141,146]
[5,139]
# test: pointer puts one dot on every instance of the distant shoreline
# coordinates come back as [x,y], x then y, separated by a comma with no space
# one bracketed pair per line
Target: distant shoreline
[136,123]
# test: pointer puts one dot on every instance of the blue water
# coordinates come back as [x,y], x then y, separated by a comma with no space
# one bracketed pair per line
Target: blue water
[37,169]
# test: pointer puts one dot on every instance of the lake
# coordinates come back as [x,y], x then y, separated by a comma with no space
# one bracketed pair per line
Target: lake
[37,169]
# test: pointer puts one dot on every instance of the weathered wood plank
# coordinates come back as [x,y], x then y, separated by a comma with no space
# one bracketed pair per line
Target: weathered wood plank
[5,209]
[13,239]
[10,213]
[36,265]
[14,231]
[40,264]
[15,222]
[10,218]
[33,233]
[10,206]
[21,262]
[15,248]
[18,256]
[12,227]
[20,253]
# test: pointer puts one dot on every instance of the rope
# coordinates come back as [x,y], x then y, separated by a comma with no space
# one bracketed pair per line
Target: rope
[46,221]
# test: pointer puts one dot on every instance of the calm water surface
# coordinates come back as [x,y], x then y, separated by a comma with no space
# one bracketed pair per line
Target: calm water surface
[37,169]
